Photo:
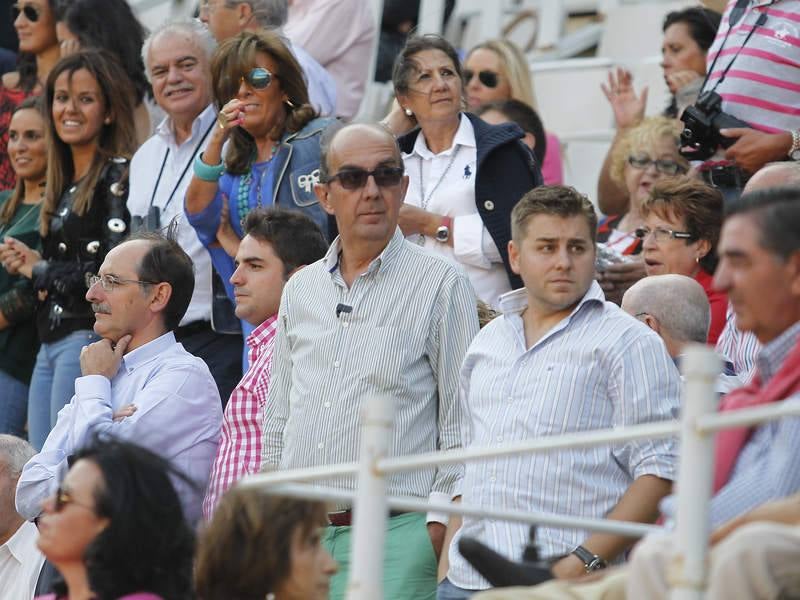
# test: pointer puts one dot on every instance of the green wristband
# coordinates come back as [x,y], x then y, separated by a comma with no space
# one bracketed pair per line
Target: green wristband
[207,172]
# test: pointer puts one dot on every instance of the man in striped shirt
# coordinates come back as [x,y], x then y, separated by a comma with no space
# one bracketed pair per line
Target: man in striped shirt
[561,359]
[277,243]
[378,314]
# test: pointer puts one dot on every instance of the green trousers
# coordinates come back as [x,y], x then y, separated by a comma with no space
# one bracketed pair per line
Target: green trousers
[409,564]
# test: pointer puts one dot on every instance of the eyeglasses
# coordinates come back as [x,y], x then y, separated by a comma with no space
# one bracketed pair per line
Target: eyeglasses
[258,78]
[487,78]
[107,282]
[62,498]
[354,179]
[662,235]
[667,167]
[31,12]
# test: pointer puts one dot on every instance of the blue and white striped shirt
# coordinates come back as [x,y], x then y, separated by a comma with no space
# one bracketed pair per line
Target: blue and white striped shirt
[598,368]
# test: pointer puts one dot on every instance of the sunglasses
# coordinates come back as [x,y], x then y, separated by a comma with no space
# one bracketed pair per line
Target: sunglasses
[354,179]
[661,235]
[29,10]
[258,78]
[63,498]
[666,167]
[487,78]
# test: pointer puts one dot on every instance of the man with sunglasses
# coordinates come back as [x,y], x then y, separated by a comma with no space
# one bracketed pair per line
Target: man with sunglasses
[227,18]
[138,382]
[378,314]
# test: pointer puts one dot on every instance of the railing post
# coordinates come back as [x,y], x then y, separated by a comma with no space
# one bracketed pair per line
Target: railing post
[701,367]
[369,506]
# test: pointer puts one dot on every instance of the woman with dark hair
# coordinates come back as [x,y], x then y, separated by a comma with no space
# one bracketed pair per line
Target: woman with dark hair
[109,25]
[19,218]
[91,135]
[465,175]
[682,222]
[260,546]
[115,528]
[273,144]
[36,28]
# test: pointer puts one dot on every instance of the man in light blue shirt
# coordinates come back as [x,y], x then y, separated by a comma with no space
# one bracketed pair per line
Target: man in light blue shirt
[138,383]
[561,359]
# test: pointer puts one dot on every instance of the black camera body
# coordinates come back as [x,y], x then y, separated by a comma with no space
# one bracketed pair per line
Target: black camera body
[700,137]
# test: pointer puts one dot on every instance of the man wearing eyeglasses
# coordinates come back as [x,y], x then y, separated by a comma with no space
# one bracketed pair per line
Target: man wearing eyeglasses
[138,382]
[377,315]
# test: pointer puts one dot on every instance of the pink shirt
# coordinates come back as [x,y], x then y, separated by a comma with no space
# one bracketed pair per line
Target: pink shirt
[239,452]
[552,165]
[339,34]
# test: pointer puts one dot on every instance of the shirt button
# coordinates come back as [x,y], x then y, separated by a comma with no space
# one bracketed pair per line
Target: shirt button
[345,324]
[320,445]
[326,405]
[336,364]
[499,438]
[488,205]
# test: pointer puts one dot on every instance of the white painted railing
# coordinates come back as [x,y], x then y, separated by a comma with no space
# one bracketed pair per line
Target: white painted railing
[698,423]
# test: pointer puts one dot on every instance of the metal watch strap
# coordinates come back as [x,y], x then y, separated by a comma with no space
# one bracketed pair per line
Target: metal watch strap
[591,561]
[794,151]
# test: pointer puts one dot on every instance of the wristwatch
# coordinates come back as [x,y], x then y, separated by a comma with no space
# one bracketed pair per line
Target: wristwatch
[591,562]
[443,231]
[794,151]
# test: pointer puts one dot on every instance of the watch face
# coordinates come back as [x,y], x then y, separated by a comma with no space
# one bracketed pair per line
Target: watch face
[442,234]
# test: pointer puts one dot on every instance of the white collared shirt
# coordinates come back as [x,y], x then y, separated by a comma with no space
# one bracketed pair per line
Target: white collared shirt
[162,151]
[598,368]
[178,416]
[454,196]
[20,563]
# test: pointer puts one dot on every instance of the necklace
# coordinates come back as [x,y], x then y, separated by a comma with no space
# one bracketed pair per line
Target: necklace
[422,199]
[245,183]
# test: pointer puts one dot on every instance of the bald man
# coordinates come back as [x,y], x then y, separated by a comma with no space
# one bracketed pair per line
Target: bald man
[377,314]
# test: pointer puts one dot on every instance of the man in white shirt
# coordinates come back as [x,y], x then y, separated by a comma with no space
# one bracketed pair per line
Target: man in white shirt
[176,58]
[138,383]
[20,559]
[561,359]
[226,18]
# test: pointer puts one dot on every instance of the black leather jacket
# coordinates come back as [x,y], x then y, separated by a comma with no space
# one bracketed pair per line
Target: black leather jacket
[74,249]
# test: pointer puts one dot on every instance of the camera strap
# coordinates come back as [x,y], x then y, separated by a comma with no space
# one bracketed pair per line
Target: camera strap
[733,21]
[183,173]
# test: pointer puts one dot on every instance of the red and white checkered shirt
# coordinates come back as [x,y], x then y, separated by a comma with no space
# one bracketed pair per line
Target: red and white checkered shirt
[239,452]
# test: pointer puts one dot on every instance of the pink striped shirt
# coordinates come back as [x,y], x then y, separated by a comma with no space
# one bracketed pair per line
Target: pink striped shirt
[761,87]
[239,452]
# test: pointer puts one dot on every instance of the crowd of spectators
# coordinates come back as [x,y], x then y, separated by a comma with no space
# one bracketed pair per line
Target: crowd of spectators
[206,268]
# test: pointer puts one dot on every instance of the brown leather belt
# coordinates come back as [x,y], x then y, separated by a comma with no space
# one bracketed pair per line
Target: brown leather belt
[344,518]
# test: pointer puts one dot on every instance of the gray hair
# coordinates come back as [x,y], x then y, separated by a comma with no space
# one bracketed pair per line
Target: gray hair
[14,453]
[677,302]
[194,28]
[269,14]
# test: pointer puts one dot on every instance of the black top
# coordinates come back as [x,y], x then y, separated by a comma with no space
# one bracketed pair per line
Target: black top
[74,249]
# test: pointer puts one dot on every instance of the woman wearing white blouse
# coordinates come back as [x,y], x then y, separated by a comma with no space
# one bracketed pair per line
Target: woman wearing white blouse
[465,175]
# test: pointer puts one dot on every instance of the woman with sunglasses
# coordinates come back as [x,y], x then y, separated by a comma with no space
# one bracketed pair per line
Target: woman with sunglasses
[35,23]
[497,70]
[682,222]
[19,218]
[273,145]
[646,154]
[110,25]
[465,176]
[91,136]
[115,528]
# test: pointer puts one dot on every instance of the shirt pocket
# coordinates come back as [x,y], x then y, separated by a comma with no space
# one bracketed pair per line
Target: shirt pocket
[303,178]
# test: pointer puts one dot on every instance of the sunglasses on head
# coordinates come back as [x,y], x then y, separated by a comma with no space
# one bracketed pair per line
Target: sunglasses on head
[258,78]
[487,78]
[354,179]
[29,10]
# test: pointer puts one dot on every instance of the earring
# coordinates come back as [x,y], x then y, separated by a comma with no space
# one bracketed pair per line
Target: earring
[408,112]
[290,104]
[107,121]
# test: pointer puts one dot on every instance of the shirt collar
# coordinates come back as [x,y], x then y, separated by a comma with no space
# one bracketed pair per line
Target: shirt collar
[203,120]
[516,301]
[152,349]
[465,136]
[391,250]
[771,356]
[263,333]
[17,543]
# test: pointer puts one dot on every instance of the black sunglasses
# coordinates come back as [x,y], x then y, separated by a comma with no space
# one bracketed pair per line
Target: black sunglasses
[487,78]
[354,179]
[31,12]
[258,78]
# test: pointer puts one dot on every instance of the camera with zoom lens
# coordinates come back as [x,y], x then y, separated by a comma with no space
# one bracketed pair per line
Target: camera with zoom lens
[700,137]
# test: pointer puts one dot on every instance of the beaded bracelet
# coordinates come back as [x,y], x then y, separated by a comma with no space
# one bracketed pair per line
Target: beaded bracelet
[207,172]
